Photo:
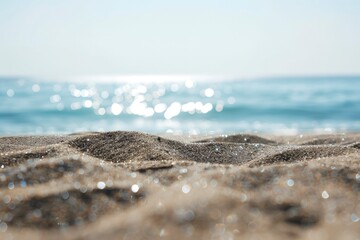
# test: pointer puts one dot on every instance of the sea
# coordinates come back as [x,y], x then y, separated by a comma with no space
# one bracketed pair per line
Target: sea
[179,105]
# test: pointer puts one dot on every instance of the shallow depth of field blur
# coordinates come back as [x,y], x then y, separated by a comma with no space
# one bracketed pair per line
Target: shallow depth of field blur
[180,67]
[287,106]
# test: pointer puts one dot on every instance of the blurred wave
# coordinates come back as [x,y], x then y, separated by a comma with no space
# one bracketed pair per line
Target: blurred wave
[183,105]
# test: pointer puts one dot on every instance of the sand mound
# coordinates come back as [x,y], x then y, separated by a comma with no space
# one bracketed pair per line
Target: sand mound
[138,186]
[239,138]
[302,154]
[132,146]
[29,141]
[325,140]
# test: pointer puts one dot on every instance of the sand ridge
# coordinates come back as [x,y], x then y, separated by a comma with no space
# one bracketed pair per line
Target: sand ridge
[132,185]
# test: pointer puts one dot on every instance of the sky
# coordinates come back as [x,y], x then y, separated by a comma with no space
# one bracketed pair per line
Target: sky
[256,38]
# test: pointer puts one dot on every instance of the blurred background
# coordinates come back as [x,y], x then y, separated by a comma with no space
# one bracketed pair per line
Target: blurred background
[185,67]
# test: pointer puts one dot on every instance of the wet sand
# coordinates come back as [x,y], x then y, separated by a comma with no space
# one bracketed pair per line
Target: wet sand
[130,185]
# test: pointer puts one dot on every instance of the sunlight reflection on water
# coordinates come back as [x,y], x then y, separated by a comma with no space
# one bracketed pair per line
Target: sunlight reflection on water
[184,106]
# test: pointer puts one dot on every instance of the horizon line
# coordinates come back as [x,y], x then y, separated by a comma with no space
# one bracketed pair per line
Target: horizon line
[165,77]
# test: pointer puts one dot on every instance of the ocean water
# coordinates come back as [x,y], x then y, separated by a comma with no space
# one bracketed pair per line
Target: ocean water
[182,106]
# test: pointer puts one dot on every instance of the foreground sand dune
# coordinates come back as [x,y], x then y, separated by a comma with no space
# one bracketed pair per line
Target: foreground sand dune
[130,185]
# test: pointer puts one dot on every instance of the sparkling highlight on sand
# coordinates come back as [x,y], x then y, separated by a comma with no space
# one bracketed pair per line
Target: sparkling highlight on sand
[105,185]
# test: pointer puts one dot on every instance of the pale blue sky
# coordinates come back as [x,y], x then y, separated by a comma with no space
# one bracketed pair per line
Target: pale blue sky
[254,38]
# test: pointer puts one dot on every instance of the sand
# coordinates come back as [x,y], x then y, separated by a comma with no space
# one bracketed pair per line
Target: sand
[130,185]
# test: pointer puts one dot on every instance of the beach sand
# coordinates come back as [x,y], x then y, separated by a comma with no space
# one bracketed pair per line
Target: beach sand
[130,185]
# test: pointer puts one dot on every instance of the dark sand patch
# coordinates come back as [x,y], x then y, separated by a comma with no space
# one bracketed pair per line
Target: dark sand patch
[66,208]
[35,172]
[13,158]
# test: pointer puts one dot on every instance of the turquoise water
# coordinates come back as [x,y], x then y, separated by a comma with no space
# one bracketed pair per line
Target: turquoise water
[282,105]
